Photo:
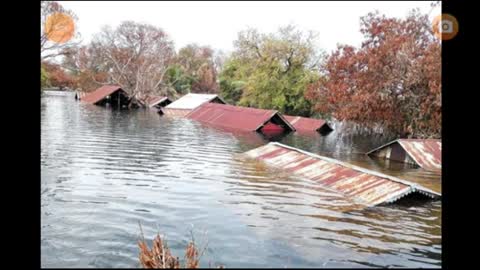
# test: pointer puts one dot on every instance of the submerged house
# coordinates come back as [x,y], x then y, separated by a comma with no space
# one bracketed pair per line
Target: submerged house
[362,186]
[304,124]
[241,118]
[189,102]
[157,102]
[112,95]
[426,153]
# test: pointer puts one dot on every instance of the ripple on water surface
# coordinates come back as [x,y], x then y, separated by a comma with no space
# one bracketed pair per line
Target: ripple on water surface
[104,171]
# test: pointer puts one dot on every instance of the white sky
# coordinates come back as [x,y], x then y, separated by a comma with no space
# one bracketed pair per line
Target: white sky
[217,23]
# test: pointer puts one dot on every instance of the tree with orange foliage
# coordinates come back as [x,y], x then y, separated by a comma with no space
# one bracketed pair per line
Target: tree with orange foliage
[393,79]
[57,77]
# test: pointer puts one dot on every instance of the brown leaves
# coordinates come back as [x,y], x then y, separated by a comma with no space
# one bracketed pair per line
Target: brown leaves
[57,77]
[206,80]
[197,62]
[393,80]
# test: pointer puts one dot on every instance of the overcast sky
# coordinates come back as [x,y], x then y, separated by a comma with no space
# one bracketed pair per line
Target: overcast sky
[217,23]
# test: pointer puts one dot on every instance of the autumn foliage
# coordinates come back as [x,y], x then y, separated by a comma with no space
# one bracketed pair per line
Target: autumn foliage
[197,66]
[392,80]
[57,76]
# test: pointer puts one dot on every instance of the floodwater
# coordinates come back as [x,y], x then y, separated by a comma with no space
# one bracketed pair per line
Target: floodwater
[103,172]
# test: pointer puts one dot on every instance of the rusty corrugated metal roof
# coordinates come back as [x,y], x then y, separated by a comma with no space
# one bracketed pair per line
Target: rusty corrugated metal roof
[191,101]
[426,153]
[307,124]
[241,118]
[154,100]
[100,93]
[359,184]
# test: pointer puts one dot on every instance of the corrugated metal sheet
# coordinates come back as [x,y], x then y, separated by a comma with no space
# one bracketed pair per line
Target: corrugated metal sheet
[183,105]
[155,100]
[424,153]
[175,112]
[356,183]
[307,124]
[192,101]
[241,118]
[100,93]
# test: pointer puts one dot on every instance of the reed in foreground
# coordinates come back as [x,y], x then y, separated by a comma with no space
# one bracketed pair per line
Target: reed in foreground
[161,257]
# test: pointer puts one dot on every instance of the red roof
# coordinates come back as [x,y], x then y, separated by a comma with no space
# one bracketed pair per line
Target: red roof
[100,93]
[306,124]
[241,118]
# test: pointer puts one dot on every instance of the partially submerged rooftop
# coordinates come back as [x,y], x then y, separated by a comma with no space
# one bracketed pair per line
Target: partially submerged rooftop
[361,185]
[112,94]
[157,101]
[190,101]
[424,153]
[305,124]
[241,118]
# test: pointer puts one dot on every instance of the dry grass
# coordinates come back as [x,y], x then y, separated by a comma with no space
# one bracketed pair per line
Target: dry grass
[161,257]
[158,257]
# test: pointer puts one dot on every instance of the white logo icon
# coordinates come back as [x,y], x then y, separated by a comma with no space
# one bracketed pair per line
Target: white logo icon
[446,26]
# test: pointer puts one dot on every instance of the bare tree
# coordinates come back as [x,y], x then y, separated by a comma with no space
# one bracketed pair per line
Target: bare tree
[219,58]
[135,55]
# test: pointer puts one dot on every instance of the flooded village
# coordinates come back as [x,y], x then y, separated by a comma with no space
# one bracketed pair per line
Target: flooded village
[275,155]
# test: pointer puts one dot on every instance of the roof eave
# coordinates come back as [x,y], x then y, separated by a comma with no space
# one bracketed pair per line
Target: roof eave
[383,146]
[160,101]
[281,117]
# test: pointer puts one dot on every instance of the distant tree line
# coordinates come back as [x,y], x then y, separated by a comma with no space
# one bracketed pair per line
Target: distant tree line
[392,79]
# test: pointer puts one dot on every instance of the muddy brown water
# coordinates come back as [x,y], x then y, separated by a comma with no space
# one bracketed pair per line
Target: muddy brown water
[104,171]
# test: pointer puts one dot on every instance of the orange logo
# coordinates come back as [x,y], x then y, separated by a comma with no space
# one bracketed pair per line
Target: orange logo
[59,27]
[445,26]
